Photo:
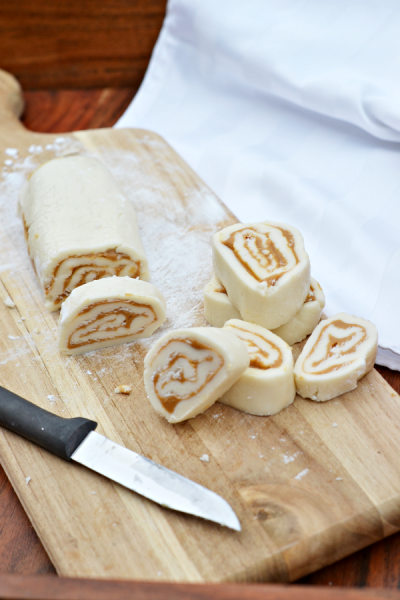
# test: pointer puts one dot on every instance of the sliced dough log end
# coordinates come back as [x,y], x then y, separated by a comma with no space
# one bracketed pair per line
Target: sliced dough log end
[217,307]
[305,321]
[267,386]
[265,270]
[187,370]
[340,351]
[107,312]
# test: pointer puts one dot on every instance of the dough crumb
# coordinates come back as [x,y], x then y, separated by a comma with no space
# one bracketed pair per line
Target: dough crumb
[9,303]
[13,337]
[205,458]
[335,425]
[339,478]
[123,389]
[27,480]
[36,330]
[51,398]
[301,474]
[88,372]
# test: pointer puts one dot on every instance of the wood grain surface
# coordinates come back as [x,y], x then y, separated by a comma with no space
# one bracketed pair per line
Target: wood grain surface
[79,43]
[71,110]
[358,537]
[53,588]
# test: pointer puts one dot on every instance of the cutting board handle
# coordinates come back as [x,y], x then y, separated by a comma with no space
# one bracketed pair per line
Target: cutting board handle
[59,436]
[11,102]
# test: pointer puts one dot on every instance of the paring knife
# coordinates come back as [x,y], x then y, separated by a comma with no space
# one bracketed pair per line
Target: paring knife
[75,439]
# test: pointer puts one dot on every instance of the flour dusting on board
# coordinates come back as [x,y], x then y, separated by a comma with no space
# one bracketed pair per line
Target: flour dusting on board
[178,243]
[176,228]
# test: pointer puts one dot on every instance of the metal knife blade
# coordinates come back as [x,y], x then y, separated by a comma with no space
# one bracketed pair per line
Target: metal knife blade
[152,480]
[74,439]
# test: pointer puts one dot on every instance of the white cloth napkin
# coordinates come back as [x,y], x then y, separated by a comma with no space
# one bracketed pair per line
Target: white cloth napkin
[290,111]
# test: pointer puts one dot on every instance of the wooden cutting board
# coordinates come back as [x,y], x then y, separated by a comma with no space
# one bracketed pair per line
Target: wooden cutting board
[310,485]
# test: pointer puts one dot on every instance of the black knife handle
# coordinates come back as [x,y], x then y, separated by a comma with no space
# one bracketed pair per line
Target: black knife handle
[56,434]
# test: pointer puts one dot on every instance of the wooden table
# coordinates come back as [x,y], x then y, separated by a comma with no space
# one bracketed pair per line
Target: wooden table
[21,552]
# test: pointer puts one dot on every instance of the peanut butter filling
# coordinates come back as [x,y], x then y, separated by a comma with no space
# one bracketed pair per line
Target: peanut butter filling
[259,357]
[220,289]
[172,371]
[262,250]
[26,229]
[90,268]
[311,295]
[335,346]
[128,315]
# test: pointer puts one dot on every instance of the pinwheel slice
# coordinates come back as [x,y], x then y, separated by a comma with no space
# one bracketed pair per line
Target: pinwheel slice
[187,370]
[217,307]
[267,386]
[79,227]
[304,322]
[108,312]
[338,353]
[265,270]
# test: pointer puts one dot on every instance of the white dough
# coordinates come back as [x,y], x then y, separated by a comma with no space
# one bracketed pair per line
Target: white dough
[304,322]
[107,312]
[79,227]
[217,307]
[265,270]
[267,386]
[187,370]
[338,353]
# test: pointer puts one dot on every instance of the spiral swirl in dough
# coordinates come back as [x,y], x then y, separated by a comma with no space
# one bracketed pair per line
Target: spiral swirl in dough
[267,386]
[264,269]
[107,312]
[187,370]
[338,353]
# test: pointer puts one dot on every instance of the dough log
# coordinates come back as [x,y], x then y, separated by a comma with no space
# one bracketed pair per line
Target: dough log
[305,321]
[79,227]
[217,307]
[267,386]
[265,270]
[187,370]
[338,353]
[108,312]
